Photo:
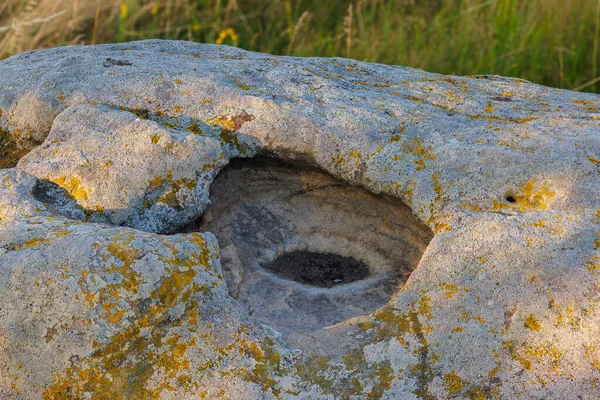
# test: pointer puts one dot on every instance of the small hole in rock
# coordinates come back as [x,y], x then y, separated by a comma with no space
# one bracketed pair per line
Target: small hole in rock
[302,250]
[510,199]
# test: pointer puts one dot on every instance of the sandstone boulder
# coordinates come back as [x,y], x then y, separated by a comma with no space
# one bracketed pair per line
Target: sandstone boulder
[452,222]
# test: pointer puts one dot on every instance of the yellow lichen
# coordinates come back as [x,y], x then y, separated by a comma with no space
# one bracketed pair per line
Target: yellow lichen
[124,367]
[532,196]
[589,105]
[451,290]
[195,129]
[74,187]
[453,383]
[532,323]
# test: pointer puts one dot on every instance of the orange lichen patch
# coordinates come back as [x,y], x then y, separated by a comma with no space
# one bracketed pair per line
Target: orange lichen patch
[52,233]
[317,371]
[593,264]
[170,198]
[417,99]
[409,189]
[530,197]
[554,227]
[159,180]
[451,289]
[143,360]
[592,353]
[176,111]
[195,129]
[527,354]
[434,220]
[171,124]
[396,135]
[399,325]
[113,316]
[35,242]
[385,84]
[338,160]
[421,153]
[512,144]
[10,150]
[539,224]
[443,79]
[229,137]
[515,120]
[511,346]
[572,320]
[358,377]
[231,122]
[121,256]
[229,125]
[453,96]
[267,366]
[471,207]
[50,334]
[243,87]
[74,187]
[589,105]
[489,108]
[61,97]
[453,383]
[593,160]
[224,121]
[138,111]
[355,154]
[560,317]
[496,370]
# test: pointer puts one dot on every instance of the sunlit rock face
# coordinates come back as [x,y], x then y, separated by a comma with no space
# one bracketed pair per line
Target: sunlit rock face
[194,221]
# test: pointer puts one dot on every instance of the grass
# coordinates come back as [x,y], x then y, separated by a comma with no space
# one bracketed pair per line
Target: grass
[552,42]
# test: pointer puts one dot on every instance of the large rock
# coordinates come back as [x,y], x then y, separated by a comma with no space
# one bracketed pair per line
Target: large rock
[502,177]
[131,171]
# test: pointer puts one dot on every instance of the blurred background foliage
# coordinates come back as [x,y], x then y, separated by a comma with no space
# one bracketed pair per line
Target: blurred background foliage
[552,42]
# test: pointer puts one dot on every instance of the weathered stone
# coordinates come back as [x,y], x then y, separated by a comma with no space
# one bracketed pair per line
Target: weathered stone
[127,170]
[503,303]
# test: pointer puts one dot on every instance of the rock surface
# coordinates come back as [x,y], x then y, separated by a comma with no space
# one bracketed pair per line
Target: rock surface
[98,302]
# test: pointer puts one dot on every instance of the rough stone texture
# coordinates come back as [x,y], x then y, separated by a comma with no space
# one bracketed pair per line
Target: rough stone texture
[263,209]
[131,171]
[504,302]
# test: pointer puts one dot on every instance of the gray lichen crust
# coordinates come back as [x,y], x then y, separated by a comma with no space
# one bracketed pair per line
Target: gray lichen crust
[97,302]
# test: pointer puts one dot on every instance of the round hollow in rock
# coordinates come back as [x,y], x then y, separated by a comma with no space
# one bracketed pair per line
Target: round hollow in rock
[301,250]
[318,269]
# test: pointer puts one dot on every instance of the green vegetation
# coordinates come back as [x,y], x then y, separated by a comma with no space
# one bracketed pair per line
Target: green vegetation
[552,42]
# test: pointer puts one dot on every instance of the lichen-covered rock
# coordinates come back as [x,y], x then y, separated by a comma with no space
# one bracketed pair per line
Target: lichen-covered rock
[503,304]
[129,170]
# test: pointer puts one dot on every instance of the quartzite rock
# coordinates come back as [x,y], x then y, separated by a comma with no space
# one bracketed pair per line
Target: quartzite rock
[503,304]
